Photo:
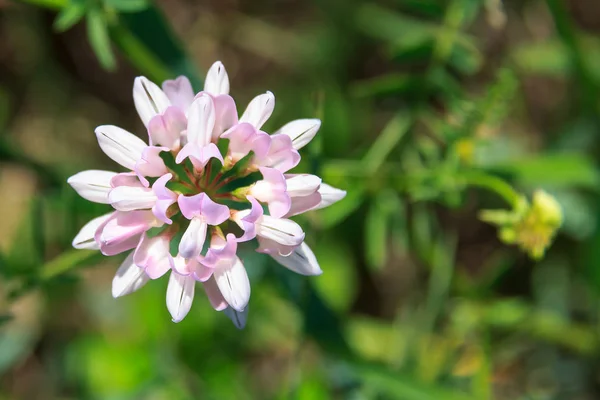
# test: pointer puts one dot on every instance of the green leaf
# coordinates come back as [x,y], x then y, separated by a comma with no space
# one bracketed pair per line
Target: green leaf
[69,16]
[387,140]
[127,5]
[97,29]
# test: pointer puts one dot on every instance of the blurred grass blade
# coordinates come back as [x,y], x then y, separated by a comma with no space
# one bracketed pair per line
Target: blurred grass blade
[99,40]
[378,227]
[387,140]
[65,262]
[70,15]
[128,5]
[153,32]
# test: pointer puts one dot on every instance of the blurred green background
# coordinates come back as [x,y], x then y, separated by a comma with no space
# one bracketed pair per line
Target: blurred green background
[432,110]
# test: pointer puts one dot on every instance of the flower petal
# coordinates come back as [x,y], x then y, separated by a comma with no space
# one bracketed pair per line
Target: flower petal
[329,195]
[85,238]
[272,190]
[301,131]
[299,185]
[165,129]
[129,278]
[165,198]
[122,231]
[129,198]
[238,318]
[152,255]
[193,238]
[201,205]
[302,261]
[281,230]
[259,110]
[217,80]
[92,185]
[179,91]
[246,219]
[149,99]
[234,284]
[225,115]
[217,301]
[303,204]
[121,146]
[201,120]
[180,295]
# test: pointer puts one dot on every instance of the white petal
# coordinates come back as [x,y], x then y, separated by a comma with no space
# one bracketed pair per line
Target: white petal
[302,185]
[301,131]
[234,284]
[149,99]
[180,294]
[85,237]
[302,261]
[92,185]
[329,195]
[193,238]
[129,278]
[121,146]
[217,80]
[129,198]
[259,110]
[281,230]
[201,120]
[238,318]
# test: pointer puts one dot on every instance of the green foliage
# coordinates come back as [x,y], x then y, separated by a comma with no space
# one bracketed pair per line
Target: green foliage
[432,118]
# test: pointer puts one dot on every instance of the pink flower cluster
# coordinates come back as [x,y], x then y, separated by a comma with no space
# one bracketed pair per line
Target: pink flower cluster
[197,190]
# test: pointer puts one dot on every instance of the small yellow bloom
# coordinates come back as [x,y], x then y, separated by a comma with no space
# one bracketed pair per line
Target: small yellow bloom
[532,227]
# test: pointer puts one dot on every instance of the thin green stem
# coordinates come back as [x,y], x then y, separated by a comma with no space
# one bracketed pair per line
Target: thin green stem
[492,183]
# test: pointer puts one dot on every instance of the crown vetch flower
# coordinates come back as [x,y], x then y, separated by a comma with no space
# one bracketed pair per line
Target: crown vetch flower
[206,181]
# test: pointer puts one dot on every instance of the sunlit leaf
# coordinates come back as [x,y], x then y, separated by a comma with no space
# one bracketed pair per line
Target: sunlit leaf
[70,15]
[128,5]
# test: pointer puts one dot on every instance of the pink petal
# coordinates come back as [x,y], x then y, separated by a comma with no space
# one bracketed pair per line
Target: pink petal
[202,205]
[122,231]
[165,129]
[125,179]
[272,190]
[303,204]
[240,139]
[246,219]
[152,254]
[199,155]
[165,198]
[217,301]
[281,155]
[225,115]
[222,255]
[179,91]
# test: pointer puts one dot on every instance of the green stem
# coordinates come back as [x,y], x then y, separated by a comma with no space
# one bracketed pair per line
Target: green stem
[492,183]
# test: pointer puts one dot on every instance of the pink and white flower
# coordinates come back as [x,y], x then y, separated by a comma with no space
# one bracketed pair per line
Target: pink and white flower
[175,194]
